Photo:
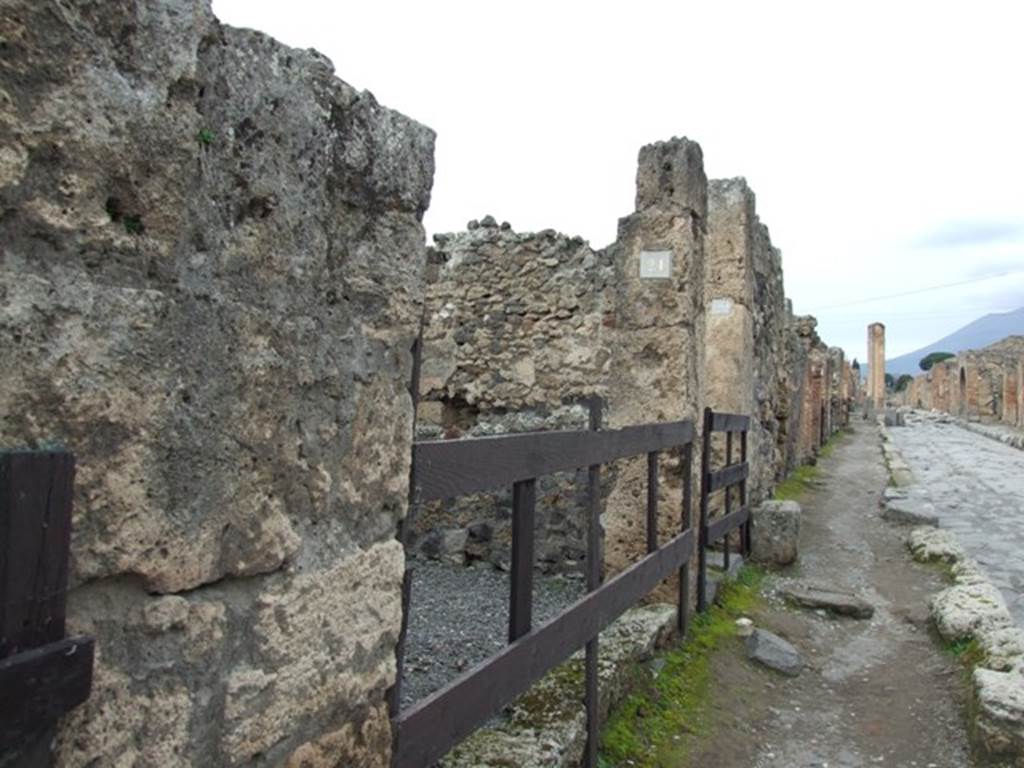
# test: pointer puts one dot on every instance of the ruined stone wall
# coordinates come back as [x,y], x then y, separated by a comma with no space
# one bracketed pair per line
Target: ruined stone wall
[977,385]
[658,354]
[746,327]
[515,339]
[211,280]
[523,329]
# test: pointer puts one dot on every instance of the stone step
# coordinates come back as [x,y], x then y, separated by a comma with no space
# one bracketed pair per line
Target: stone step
[831,599]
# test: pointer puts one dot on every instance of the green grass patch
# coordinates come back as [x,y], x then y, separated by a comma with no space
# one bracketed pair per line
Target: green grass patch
[643,730]
[967,651]
[830,445]
[796,482]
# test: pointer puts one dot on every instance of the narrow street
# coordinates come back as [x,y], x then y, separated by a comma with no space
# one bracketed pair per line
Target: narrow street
[872,692]
[976,485]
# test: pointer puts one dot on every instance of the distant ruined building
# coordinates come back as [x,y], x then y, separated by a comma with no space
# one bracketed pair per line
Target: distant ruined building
[214,274]
[984,385]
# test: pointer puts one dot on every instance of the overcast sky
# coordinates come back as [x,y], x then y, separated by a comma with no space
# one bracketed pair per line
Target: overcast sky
[884,141]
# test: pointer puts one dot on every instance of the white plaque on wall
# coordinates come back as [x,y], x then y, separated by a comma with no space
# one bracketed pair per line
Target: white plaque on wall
[721,306]
[655,265]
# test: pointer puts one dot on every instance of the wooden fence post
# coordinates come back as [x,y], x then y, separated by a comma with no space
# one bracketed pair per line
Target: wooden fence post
[42,673]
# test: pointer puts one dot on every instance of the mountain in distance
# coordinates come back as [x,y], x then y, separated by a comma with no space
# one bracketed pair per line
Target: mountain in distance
[975,335]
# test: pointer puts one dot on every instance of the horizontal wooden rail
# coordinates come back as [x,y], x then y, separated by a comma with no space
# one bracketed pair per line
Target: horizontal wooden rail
[728,476]
[729,422]
[720,526]
[42,684]
[432,726]
[449,468]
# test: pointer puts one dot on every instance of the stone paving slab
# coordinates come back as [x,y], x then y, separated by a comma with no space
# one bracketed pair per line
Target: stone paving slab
[976,486]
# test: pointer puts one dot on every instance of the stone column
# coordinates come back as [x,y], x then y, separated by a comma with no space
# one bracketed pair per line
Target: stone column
[657,316]
[876,365]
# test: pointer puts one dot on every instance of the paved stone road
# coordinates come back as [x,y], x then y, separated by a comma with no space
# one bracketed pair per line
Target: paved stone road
[976,485]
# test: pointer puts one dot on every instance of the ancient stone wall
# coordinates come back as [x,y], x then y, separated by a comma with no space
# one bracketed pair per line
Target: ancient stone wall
[523,329]
[746,335]
[515,339]
[978,385]
[211,280]
[658,357]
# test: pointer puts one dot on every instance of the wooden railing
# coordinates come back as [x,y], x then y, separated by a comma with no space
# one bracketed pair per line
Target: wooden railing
[446,469]
[733,475]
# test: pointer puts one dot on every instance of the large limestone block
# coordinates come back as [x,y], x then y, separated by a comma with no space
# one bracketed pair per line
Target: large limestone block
[999,714]
[211,279]
[928,544]
[225,674]
[732,241]
[969,610]
[319,641]
[775,532]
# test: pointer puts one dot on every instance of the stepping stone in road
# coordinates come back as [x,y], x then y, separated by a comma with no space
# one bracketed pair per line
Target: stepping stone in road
[773,652]
[834,600]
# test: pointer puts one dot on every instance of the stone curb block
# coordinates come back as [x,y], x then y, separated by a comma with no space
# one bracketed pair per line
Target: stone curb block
[974,609]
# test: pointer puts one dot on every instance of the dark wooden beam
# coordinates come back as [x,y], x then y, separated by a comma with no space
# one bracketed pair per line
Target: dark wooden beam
[450,468]
[40,685]
[729,422]
[720,526]
[652,501]
[35,539]
[724,478]
[520,613]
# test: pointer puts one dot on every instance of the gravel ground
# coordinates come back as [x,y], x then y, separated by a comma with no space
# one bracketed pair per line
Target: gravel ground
[459,616]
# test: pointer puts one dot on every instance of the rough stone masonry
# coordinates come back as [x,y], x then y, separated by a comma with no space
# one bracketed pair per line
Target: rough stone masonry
[522,329]
[213,271]
[978,385]
[211,280]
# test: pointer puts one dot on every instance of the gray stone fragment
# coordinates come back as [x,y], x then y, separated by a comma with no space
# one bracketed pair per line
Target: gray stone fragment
[999,719]
[910,512]
[773,652]
[775,532]
[716,560]
[890,493]
[834,600]
[446,545]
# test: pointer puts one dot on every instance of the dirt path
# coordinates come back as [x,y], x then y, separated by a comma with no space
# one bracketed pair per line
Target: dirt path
[877,692]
